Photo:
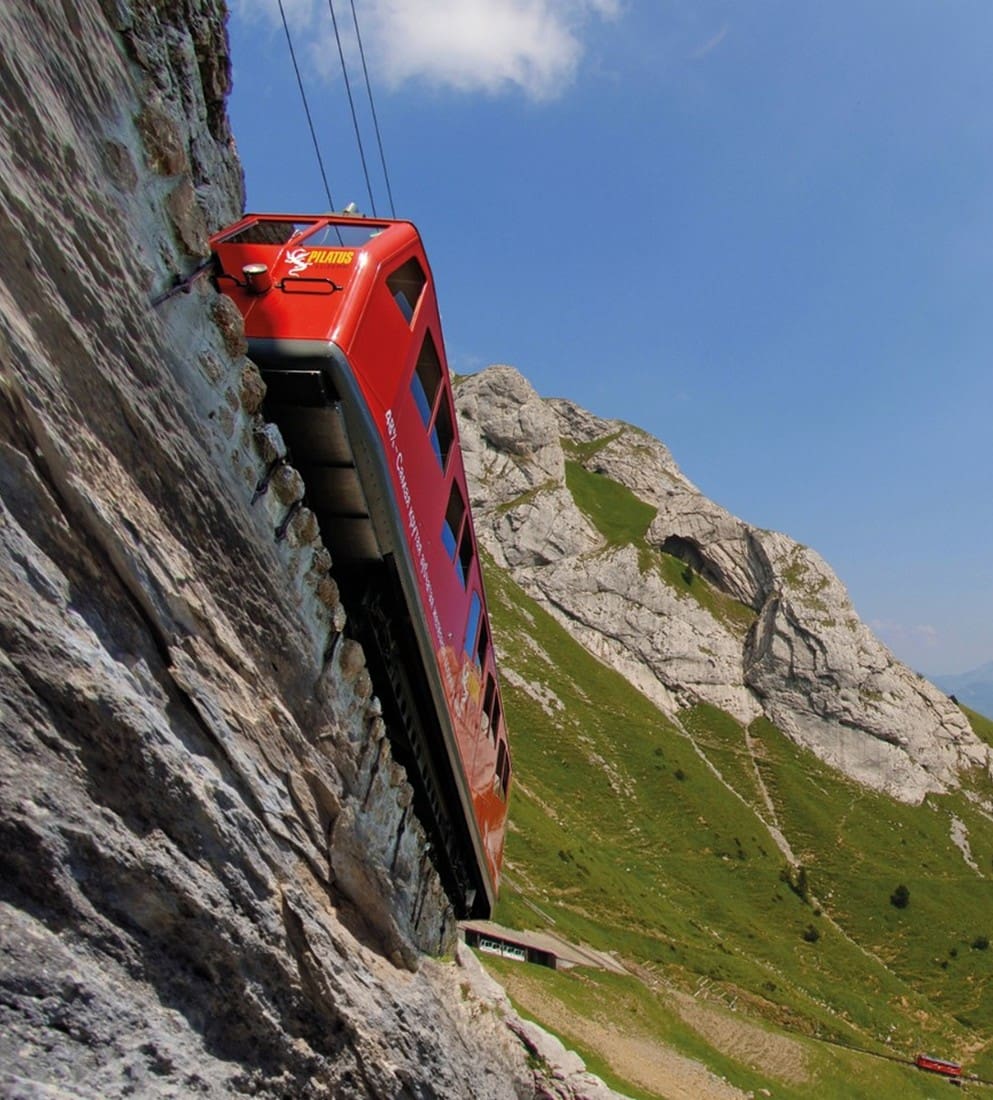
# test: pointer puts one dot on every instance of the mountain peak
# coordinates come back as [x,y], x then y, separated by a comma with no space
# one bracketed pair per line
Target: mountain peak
[595,520]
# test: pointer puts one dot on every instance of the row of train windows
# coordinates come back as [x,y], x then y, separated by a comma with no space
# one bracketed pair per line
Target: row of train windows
[432,401]
[406,285]
[490,724]
[433,404]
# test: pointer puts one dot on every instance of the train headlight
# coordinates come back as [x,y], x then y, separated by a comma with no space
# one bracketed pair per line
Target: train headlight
[257,278]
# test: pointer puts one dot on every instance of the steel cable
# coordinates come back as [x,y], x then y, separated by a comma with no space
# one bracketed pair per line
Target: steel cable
[351,104]
[306,106]
[372,108]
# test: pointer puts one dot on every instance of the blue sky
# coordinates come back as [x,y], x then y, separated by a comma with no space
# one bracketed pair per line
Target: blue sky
[761,230]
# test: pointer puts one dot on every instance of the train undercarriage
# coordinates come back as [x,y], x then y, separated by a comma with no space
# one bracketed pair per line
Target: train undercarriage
[331,448]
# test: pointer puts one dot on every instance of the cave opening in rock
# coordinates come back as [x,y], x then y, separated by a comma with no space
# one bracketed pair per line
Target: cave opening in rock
[688,551]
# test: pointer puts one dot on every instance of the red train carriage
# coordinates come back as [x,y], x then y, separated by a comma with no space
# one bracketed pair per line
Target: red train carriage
[341,317]
[938,1065]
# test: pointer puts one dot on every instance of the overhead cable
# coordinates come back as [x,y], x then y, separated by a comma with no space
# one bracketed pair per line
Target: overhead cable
[306,106]
[351,104]
[372,108]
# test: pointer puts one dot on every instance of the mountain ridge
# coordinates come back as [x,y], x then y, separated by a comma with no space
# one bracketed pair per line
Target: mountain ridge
[698,606]
[718,855]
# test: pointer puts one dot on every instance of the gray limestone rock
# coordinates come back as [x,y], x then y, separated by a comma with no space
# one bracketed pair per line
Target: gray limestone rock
[211,880]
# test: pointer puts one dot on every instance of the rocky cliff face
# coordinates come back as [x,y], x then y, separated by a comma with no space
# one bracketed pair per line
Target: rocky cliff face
[756,624]
[212,883]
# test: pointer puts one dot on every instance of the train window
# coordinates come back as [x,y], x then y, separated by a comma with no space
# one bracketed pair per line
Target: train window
[465,554]
[427,379]
[443,434]
[406,284]
[475,610]
[503,771]
[486,718]
[351,234]
[430,396]
[483,647]
[491,708]
[448,538]
[490,695]
[421,398]
[268,232]
[495,717]
[451,529]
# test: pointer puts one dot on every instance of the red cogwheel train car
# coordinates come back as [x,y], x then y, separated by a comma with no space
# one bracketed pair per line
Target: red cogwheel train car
[341,317]
[938,1065]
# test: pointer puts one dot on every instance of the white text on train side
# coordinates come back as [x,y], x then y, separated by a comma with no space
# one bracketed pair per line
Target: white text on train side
[418,543]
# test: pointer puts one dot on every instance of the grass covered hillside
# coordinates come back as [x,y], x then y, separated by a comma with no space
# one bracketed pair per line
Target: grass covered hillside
[782,926]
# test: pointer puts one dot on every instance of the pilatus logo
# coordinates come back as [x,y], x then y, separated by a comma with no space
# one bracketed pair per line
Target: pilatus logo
[297,259]
[331,256]
[300,259]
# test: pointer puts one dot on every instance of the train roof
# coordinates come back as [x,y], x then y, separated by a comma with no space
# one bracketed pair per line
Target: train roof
[343,230]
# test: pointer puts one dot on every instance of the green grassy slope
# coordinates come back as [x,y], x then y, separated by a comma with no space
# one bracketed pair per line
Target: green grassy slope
[651,838]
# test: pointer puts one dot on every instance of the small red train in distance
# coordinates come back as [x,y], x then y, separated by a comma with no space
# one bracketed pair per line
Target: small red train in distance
[938,1065]
[341,317]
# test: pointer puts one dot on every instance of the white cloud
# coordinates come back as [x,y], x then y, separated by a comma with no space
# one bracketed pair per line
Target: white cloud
[488,46]
[906,634]
[711,44]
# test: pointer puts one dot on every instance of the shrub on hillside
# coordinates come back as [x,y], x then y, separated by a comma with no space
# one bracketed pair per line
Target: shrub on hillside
[900,897]
[796,880]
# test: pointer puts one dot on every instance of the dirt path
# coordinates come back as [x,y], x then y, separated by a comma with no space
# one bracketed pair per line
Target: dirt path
[639,1059]
[777,1056]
